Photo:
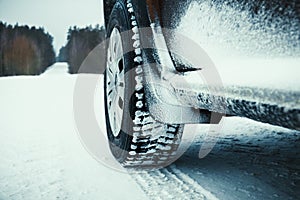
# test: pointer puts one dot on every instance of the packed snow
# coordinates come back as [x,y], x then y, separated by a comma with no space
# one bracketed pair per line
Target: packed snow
[42,156]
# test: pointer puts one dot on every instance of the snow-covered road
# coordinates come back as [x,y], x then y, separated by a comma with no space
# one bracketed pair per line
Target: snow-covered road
[41,156]
[250,161]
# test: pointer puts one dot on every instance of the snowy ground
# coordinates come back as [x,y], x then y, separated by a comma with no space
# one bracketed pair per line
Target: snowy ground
[42,156]
[250,161]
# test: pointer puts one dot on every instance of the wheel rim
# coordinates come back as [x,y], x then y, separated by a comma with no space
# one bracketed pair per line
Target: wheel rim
[115,83]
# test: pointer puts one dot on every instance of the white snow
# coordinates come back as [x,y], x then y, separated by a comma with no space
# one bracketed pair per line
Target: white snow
[250,160]
[41,153]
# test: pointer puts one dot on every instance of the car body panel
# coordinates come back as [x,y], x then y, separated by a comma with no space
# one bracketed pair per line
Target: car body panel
[261,87]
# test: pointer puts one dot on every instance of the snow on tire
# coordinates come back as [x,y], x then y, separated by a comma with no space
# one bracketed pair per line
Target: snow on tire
[146,143]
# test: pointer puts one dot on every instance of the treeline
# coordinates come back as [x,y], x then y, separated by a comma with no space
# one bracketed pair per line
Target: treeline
[80,42]
[24,50]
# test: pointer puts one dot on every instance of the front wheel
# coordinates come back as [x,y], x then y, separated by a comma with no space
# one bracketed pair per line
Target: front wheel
[135,138]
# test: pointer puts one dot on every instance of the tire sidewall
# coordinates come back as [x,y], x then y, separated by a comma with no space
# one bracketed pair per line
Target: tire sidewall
[120,145]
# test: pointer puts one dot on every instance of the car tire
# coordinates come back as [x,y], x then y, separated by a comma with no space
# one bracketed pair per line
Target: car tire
[135,138]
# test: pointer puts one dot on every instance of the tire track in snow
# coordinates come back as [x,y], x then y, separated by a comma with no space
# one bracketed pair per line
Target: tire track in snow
[171,183]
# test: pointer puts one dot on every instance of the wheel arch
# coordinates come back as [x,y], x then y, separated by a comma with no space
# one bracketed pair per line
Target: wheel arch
[140,7]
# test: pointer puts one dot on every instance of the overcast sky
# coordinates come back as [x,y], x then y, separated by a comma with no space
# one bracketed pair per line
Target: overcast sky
[56,16]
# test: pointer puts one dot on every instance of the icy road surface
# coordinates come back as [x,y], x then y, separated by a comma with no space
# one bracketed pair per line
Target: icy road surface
[41,156]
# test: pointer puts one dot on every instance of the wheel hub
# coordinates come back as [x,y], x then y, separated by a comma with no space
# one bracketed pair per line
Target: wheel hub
[115,83]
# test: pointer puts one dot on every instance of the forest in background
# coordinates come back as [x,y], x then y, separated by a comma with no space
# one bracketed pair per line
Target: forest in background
[24,50]
[28,50]
[80,42]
